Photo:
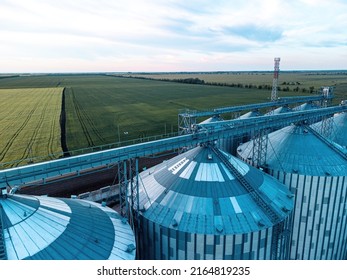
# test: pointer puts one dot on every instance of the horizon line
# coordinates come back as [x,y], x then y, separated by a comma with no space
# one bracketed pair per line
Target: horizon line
[169,72]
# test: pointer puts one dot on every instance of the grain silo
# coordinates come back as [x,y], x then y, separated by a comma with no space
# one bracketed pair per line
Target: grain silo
[334,128]
[207,204]
[316,173]
[279,110]
[250,114]
[339,134]
[46,228]
[246,136]
[225,144]
[215,118]
[305,106]
[229,144]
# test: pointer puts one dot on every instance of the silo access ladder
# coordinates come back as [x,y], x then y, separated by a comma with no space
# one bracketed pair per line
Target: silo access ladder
[261,201]
[3,255]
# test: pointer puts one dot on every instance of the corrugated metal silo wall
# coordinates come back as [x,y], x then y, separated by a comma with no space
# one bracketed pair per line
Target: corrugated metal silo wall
[163,243]
[319,229]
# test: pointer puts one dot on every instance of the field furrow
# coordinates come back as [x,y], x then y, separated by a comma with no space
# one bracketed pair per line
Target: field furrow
[102,109]
[15,133]
[29,125]
[36,129]
[82,120]
[88,123]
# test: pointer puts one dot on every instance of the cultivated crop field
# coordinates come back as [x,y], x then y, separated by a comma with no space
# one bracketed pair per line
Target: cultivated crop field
[119,109]
[302,83]
[29,124]
[101,109]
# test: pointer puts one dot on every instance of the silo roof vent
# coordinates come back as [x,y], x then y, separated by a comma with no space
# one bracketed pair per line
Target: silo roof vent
[261,223]
[131,247]
[174,223]
[219,228]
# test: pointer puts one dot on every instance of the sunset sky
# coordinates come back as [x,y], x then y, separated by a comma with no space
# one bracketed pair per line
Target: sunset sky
[171,35]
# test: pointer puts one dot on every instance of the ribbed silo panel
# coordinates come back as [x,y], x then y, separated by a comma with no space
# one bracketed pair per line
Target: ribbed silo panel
[195,208]
[319,227]
[316,174]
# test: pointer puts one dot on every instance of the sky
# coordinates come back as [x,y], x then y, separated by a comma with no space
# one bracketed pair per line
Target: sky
[171,35]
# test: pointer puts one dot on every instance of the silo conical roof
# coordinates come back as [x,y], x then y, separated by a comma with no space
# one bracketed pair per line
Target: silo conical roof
[315,171]
[195,192]
[279,110]
[212,119]
[338,133]
[250,114]
[305,106]
[43,228]
[340,129]
[295,149]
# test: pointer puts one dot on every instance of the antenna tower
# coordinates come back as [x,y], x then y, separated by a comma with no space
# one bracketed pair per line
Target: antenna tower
[275,80]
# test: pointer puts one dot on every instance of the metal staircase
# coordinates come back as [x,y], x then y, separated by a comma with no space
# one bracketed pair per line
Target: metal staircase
[262,201]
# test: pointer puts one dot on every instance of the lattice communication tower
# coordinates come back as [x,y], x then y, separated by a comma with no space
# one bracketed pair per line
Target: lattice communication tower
[275,79]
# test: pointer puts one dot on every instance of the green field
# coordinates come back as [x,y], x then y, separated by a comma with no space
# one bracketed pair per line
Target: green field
[102,109]
[114,109]
[302,83]
[30,126]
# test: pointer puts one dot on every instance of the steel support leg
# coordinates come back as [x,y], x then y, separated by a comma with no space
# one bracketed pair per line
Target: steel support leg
[260,143]
[123,188]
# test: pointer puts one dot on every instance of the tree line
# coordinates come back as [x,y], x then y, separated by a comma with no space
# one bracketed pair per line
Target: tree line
[284,86]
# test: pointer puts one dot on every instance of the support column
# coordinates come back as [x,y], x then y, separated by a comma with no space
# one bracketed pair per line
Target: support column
[123,188]
[260,142]
[186,122]
[134,192]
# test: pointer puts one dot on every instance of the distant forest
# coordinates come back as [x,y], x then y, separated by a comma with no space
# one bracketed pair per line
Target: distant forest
[283,87]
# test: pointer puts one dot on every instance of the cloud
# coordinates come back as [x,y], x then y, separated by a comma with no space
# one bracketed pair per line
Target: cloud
[255,33]
[157,34]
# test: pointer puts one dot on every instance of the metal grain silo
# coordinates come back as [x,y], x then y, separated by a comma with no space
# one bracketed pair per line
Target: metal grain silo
[316,173]
[206,204]
[279,110]
[46,228]
[246,136]
[335,129]
[305,106]
[226,144]
[339,133]
[229,144]
[212,119]
[250,114]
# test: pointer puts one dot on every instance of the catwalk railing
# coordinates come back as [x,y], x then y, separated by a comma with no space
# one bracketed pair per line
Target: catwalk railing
[249,107]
